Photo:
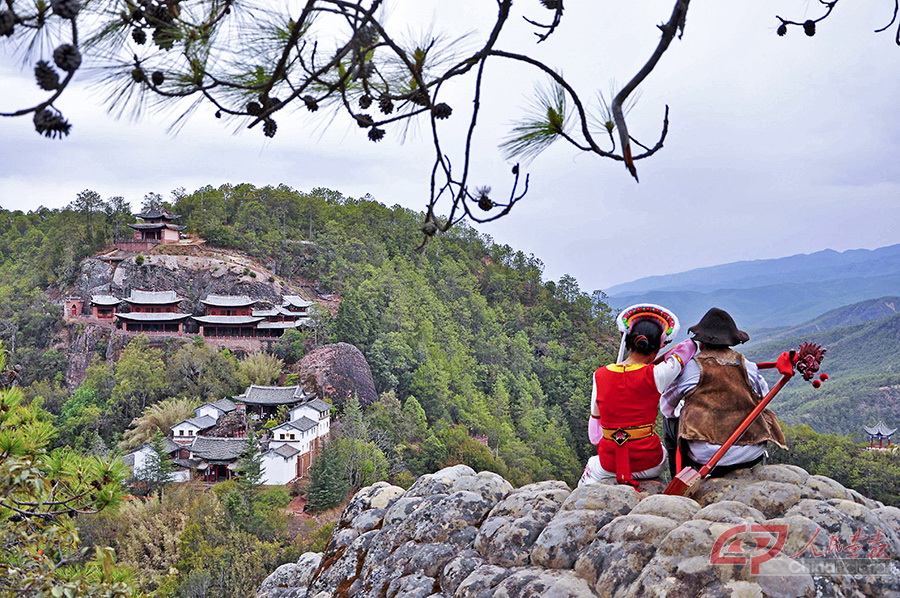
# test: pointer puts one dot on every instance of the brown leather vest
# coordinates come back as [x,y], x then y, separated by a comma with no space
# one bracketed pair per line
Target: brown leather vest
[721,400]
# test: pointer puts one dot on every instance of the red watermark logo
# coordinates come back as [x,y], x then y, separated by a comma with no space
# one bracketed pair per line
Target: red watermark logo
[752,543]
[755,543]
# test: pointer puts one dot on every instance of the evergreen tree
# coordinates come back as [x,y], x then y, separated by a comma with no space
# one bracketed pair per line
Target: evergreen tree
[328,480]
[159,469]
[40,492]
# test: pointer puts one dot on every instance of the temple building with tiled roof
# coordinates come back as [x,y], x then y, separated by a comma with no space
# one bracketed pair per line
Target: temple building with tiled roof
[265,400]
[157,227]
[153,312]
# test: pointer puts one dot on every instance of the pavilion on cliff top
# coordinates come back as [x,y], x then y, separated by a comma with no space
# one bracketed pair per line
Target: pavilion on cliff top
[157,227]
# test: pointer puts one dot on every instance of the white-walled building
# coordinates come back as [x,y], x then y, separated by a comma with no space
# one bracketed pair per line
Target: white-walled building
[216,409]
[287,452]
[184,431]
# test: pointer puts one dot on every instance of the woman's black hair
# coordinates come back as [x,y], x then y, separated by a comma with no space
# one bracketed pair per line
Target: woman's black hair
[645,337]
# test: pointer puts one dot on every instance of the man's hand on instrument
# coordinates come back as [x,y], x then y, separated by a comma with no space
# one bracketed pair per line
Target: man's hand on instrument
[785,363]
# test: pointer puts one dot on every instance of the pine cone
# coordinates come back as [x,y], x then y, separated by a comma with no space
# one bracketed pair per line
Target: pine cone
[484,201]
[51,124]
[442,111]
[7,22]
[254,109]
[367,36]
[782,30]
[67,57]
[139,36]
[376,134]
[365,101]
[364,120]
[218,114]
[269,128]
[364,71]
[419,96]
[157,78]
[67,9]
[311,104]
[137,14]
[552,4]
[385,104]
[137,74]
[809,28]
[47,78]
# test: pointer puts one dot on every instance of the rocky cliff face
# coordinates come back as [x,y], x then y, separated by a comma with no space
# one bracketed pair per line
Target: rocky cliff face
[774,531]
[192,275]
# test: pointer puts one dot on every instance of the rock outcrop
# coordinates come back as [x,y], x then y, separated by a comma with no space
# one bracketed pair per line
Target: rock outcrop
[773,531]
[192,276]
[338,372]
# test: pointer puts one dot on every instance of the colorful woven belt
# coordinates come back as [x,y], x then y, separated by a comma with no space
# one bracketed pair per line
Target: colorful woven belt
[622,435]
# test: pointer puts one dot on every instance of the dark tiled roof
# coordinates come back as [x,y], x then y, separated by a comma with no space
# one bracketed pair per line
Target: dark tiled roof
[227,320]
[202,422]
[228,300]
[286,451]
[304,424]
[153,297]
[295,301]
[105,300]
[156,225]
[145,317]
[218,449]
[317,404]
[224,405]
[270,395]
[880,430]
[154,214]
[284,325]
[171,446]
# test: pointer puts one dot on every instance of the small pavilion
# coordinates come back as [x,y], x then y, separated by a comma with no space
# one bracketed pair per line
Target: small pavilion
[879,432]
[103,307]
[157,227]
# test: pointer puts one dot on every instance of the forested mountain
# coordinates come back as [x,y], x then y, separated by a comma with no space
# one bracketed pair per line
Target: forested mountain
[498,358]
[770,293]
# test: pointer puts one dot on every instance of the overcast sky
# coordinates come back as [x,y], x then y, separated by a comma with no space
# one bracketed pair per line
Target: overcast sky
[776,146]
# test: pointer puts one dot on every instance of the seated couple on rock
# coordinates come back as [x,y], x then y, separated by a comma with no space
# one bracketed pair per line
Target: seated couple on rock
[704,389]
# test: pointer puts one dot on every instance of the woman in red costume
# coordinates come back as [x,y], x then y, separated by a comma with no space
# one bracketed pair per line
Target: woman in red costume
[625,397]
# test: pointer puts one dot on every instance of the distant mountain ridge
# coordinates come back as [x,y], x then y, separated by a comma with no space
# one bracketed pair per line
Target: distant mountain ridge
[847,315]
[771,293]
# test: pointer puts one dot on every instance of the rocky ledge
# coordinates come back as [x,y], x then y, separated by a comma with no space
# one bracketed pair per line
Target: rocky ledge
[773,531]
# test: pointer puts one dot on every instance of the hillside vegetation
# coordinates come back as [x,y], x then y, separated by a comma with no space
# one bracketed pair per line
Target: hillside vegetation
[864,383]
[498,359]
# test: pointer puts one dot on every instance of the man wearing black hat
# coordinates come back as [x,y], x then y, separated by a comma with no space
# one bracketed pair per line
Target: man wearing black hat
[712,396]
